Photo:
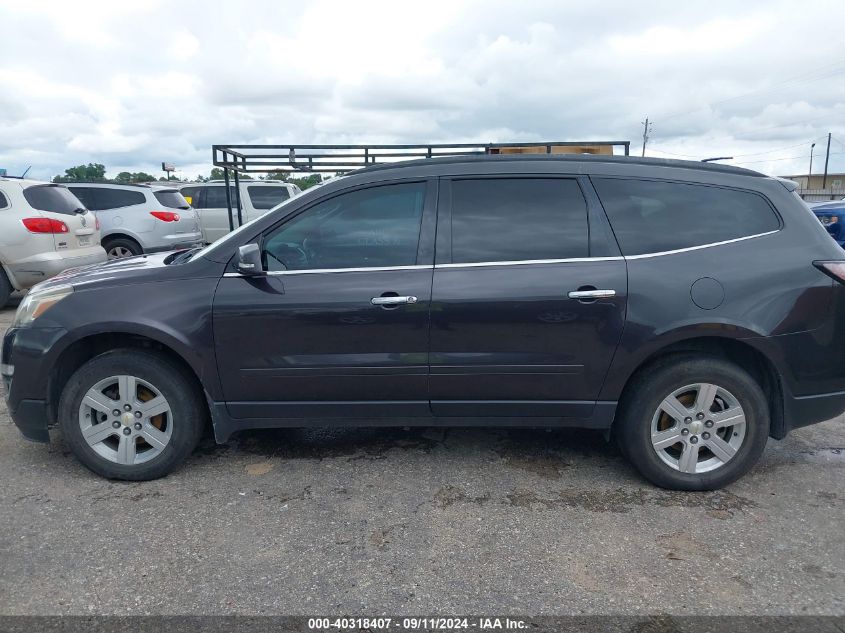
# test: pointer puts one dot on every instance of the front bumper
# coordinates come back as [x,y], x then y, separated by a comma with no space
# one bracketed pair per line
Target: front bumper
[25,365]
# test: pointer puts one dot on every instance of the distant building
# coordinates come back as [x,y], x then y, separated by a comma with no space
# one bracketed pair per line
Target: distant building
[810,187]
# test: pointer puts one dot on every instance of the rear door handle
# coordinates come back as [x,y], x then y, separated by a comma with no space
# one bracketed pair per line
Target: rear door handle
[592,294]
[392,301]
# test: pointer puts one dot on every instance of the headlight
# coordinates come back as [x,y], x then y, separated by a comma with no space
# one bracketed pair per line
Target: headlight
[37,302]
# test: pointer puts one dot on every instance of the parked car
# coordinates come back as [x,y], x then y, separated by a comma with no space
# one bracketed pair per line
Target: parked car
[138,219]
[823,203]
[689,310]
[44,229]
[257,198]
[832,217]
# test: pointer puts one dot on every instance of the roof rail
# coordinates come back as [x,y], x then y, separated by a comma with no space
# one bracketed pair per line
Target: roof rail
[110,183]
[343,158]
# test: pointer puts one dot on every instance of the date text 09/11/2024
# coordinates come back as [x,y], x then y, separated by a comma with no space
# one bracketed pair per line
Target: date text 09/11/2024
[416,623]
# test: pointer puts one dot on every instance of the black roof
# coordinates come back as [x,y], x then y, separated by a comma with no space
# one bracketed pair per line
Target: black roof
[572,158]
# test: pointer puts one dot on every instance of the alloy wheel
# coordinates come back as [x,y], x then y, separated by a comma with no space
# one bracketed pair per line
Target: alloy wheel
[698,428]
[118,252]
[125,420]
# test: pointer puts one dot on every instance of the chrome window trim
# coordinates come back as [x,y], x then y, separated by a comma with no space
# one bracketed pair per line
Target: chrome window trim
[696,248]
[315,271]
[523,262]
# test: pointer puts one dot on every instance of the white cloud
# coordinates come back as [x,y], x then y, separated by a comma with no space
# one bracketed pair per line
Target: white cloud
[132,85]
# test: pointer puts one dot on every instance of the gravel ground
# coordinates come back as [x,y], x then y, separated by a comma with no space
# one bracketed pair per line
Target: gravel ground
[426,521]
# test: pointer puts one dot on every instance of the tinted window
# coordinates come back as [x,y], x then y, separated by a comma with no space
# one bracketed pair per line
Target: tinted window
[172,199]
[103,198]
[512,219]
[371,227]
[215,198]
[85,195]
[651,217]
[267,197]
[52,198]
[190,195]
[3,201]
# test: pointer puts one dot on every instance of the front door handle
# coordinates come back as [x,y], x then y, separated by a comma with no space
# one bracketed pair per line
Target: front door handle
[392,301]
[592,294]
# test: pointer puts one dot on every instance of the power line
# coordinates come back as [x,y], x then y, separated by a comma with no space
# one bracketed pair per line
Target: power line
[768,160]
[769,151]
[819,73]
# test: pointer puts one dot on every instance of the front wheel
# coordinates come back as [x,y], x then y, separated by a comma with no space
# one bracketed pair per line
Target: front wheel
[131,414]
[693,423]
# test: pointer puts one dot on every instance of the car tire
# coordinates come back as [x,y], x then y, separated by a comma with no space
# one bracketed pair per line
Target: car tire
[5,289]
[119,247]
[124,442]
[667,401]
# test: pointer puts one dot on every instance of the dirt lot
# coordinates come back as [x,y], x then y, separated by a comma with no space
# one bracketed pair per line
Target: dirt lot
[423,521]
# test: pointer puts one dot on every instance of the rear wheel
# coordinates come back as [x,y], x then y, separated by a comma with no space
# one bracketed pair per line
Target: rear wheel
[120,247]
[131,414]
[693,423]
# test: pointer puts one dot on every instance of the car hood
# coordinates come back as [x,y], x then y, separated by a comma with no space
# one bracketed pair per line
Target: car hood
[127,270]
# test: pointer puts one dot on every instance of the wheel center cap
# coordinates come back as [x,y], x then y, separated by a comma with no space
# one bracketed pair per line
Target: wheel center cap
[695,427]
[127,418]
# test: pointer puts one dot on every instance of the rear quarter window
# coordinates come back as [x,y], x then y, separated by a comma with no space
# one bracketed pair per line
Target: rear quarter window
[267,197]
[105,198]
[653,216]
[4,201]
[171,199]
[52,199]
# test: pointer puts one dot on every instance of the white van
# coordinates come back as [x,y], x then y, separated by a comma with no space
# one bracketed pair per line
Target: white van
[257,198]
[44,229]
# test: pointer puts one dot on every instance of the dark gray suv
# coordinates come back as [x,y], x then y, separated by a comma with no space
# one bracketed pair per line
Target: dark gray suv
[689,310]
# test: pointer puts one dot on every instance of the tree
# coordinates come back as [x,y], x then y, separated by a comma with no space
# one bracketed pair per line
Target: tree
[216,174]
[90,172]
[139,176]
[303,183]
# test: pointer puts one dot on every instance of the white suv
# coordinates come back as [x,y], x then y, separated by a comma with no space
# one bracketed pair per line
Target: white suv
[44,229]
[139,219]
[257,198]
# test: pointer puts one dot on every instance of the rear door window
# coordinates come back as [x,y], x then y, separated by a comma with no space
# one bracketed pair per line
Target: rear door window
[267,197]
[171,199]
[518,219]
[52,198]
[652,216]
[4,202]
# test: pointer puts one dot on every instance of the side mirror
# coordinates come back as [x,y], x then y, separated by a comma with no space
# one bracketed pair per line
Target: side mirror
[249,260]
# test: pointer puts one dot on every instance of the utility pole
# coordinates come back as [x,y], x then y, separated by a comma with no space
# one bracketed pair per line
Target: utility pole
[646,130]
[826,159]
[810,173]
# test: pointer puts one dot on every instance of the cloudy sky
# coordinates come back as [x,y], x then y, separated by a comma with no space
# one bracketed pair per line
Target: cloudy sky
[132,84]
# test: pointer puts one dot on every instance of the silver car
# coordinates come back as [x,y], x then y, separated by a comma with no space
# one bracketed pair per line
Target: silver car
[44,229]
[139,219]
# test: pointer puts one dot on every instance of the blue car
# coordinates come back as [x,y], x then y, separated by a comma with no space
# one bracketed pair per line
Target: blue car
[832,217]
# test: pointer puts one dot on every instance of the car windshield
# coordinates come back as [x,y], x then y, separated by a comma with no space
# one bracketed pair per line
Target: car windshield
[172,199]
